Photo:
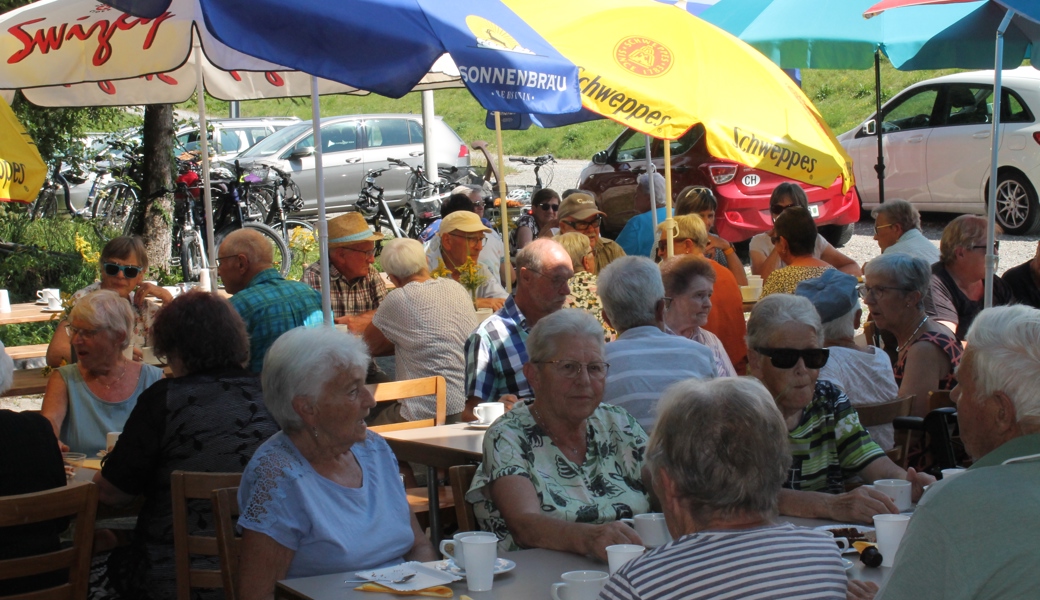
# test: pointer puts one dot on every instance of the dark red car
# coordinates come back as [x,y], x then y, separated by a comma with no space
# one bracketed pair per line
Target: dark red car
[742,192]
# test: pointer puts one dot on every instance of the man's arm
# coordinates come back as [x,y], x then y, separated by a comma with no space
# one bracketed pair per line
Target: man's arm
[357,323]
[858,506]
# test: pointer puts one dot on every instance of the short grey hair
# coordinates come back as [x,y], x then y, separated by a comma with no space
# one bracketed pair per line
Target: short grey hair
[1005,356]
[105,309]
[899,212]
[907,272]
[403,257]
[966,231]
[725,445]
[6,370]
[842,327]
[629,290]
[533,255]
[776,310]
[643,184]
[577,246]
[301,362]
[559,330]
[256,248]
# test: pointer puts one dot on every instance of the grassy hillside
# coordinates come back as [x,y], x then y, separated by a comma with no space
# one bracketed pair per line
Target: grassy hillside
[844,98]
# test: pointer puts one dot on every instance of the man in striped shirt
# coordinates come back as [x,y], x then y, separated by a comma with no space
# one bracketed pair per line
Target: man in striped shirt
[718,457]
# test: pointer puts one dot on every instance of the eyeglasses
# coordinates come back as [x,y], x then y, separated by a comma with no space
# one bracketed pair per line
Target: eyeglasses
[787,358]
[85,333]
[221,258]
[583,225]
[876,227]
[996,247]
[549,206]
[878,291]
[369,253]
[556,282]
[129,271]
[571,368]
[776,209]
[473,241]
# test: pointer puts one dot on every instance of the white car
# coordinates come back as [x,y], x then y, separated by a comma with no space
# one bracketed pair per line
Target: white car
[937,150]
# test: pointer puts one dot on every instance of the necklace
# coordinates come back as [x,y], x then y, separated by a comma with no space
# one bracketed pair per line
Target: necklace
[108,387]
[541,421]
[912,335]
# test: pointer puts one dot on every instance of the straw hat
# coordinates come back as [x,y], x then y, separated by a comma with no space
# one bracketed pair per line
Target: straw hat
[579,206]
[349,229]
[462,220]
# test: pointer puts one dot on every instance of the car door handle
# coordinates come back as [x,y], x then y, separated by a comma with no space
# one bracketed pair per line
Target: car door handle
[980,135]
[416,153]
[916,139]
[352,160]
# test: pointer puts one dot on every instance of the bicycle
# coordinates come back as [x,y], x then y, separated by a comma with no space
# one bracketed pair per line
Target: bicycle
[46,203]
[233,213]
[116,203]
[373,207]
[523,193]
[286,200]
[424,197]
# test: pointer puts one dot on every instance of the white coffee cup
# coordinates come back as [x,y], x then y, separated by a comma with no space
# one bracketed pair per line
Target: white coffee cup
[480,552]
[619,554]
[487,412]
[47,292]
[173,290]
[5,302]
[204,282]
[453,548]
[899,490]
[579,585]
[651,528]
[148,355]
[754,280]
[110,440]
[53,303]
[951,473]
[843,543]
[889,530]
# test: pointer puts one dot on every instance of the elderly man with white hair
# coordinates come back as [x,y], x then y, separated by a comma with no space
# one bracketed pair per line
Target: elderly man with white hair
[644,359]
[897,228]
[976,536]
[425,323]
[637,238]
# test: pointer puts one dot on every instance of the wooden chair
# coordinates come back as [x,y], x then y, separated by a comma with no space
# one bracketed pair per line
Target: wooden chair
[79,500]
[461,477]
[225,512]
[884,414]
[186,486]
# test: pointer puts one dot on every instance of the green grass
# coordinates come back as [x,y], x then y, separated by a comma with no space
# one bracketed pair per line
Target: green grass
[844,98]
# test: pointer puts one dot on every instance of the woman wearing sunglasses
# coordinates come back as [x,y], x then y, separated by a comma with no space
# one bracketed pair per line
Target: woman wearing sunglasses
[542,222]
[123,262]
[828,444]
[764,257]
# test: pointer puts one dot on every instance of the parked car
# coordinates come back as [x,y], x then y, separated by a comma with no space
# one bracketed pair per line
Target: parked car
[231,136]
[742,192]
[352,145]
[937,147]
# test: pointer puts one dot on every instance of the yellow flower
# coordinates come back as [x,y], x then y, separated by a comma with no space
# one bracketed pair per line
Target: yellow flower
[470,276]
[440,271]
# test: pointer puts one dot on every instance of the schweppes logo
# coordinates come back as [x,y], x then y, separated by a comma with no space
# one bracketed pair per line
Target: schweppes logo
[643,56]
[492,36]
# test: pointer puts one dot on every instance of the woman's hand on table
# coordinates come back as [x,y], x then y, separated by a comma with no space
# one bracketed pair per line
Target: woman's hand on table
[609,534]
[859,506]
[861,590]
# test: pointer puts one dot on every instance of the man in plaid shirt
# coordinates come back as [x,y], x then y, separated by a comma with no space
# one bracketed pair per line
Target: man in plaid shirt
[267,303]
[496,351]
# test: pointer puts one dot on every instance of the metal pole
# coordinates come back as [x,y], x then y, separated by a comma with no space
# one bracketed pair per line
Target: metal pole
[880,166]
[234,109]
[428,117]
[323,219]
[669,223]
[991,208]
[207,196]
[650,170]
[503,207]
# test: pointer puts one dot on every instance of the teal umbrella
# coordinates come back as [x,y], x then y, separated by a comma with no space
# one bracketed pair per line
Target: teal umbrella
[832,34]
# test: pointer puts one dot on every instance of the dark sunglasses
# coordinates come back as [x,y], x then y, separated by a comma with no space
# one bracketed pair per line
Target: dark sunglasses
[549,206]
[129,271]
[776,209]
[787,358]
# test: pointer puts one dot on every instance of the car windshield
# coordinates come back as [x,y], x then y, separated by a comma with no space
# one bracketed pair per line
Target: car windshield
[275,142]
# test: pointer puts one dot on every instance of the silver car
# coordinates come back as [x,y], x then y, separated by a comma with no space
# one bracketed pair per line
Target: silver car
[231,136]
[353,145]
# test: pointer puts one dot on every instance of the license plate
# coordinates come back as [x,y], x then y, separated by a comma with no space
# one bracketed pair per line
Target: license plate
[751,180]
[814,210]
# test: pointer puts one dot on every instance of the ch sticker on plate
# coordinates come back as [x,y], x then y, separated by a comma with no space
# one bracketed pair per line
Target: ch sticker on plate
[814,210]
[751,180]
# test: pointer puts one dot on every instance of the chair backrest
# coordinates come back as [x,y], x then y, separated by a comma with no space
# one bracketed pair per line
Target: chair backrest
[184,486]
[412,388]
[886,412]
[225,511]
[78,500]
[461,476]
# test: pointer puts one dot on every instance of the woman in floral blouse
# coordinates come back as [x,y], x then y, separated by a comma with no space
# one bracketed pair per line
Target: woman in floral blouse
[583,285]
[560,471]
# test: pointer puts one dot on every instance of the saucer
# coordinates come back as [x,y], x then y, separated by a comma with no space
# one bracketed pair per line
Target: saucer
[478,425]
[502,565]
[53,311]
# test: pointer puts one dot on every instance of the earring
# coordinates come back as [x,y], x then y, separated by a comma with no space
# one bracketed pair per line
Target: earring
[314,432]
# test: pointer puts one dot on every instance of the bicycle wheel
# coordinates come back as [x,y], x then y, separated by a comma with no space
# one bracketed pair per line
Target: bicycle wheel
[193,258]
[114,207]
[282,259]
[46,204]
[257,204]
[409,224]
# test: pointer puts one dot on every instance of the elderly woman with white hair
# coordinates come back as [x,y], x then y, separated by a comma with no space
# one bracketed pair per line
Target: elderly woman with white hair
[828,444]
[424,323]
[689,281]
[718,458]
[560,471]
[322,495]
[96,394]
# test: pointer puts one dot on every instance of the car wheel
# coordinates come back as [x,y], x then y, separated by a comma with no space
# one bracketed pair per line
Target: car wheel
[837,235]
[1017,210]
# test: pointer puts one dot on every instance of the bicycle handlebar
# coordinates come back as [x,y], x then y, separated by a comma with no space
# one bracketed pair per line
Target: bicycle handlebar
[536,161]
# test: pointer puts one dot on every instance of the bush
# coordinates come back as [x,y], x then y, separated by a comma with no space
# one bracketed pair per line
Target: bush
[46,253]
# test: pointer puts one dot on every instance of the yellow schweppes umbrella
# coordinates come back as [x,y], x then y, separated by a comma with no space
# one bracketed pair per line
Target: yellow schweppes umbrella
[660,70]
[21,169]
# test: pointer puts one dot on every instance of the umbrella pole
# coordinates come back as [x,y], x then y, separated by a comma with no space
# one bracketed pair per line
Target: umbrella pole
[207,196]
[503,205]
[323,221]
[880,166]
[991,216]
[653,197]
[428,117]
[669,223]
